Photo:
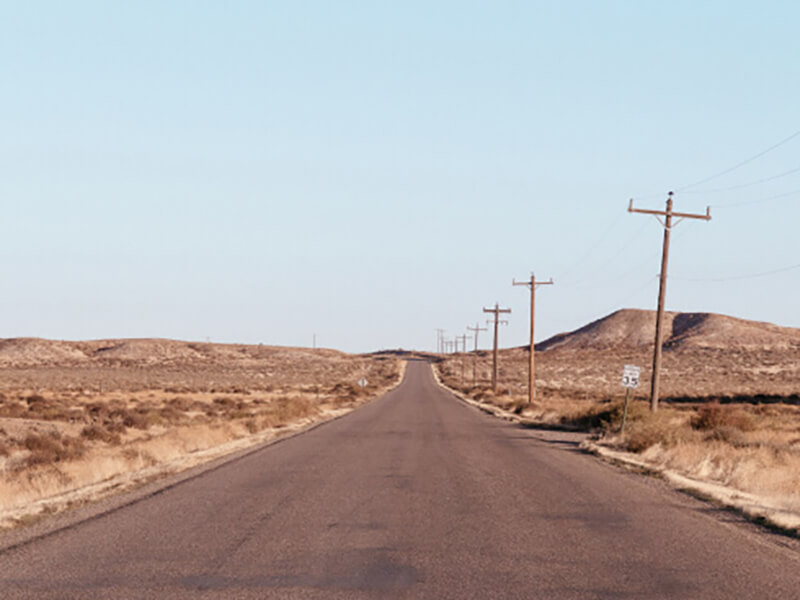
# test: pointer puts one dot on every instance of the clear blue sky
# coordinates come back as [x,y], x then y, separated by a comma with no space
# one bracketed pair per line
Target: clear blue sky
[370,171]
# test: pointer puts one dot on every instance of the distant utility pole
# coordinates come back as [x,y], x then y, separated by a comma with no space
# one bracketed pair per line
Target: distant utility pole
[439,341]
[476,329]
[662,286]
[532,284]
[463,358]
[496,310]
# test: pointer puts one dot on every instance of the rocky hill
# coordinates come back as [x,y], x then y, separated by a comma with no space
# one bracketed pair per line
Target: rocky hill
[632,329]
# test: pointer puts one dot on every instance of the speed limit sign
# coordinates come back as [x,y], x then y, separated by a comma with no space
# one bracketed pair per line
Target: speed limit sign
[630,376]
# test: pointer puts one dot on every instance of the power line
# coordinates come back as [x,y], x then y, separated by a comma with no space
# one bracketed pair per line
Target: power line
[606,232]
[748,184]
[738,277]
[740,164]
[759,201]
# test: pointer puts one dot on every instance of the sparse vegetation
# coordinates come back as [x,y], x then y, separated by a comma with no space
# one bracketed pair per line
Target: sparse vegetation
[77,413]
[46,449]
[730,412]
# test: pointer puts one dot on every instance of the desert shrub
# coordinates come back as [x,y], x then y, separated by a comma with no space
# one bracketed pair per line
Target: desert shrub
[181,403]
[12,409]
[251,425]
[347,391]
[136,420]
[714,416]
[96,411]
[35,399]
[732,435]
[606,416]
[285,409]
[51,448]
[483,393]
[5,450]
[168,414]
[655,429]
[225,401]
[101,434]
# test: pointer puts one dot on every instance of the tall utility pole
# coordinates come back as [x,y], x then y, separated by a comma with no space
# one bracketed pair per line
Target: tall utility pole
[532,284]
[662,286]
[496,310]
[476,329]
[464,357]
[439,341]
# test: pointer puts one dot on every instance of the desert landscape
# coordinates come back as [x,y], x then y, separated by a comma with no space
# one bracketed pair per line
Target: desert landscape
[730,391]
[82,419]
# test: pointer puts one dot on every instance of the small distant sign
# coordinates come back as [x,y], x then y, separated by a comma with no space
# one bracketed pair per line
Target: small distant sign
[362,382]
[630,376]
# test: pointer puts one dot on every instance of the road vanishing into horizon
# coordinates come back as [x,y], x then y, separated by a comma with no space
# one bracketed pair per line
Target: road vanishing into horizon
[415,495]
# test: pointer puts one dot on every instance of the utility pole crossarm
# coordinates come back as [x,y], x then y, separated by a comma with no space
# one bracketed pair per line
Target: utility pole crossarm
[663,213]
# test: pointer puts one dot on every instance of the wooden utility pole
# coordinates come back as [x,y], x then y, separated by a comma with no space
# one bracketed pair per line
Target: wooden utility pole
[464,357]
[476,329]
[439,340]
[662,286]
[531,372]
[496,310]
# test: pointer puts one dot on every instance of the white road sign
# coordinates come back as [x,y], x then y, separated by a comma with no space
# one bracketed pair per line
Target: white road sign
[362,382]
[630,376]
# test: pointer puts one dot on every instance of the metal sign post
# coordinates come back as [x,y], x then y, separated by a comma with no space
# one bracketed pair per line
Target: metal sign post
[630,381]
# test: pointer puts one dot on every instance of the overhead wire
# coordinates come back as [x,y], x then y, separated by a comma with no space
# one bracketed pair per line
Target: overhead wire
[745,185]
[606,232]
[738,277]
[739,164]
[598,267]
[757,201]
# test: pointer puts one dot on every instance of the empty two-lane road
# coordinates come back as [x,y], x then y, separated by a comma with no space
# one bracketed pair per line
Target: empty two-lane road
[415,495]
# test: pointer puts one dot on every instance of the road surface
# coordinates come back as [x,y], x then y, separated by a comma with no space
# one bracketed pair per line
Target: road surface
[415,495]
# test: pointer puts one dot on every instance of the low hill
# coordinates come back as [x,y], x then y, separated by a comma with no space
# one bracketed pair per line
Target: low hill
[631,328]
[37,352]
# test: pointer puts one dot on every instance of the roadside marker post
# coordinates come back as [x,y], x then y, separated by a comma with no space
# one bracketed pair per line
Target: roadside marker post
[630,381]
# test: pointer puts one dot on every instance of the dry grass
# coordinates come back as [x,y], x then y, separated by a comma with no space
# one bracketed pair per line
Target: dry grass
[67,426]
[732,418]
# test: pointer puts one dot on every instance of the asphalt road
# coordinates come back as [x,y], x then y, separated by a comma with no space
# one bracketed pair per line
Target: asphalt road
[415,495]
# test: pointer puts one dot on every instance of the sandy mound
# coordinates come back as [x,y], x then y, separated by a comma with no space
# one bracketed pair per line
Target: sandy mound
[36,352]
[146,351]
[708,330]
[630,328]
[627,327]
[29,352]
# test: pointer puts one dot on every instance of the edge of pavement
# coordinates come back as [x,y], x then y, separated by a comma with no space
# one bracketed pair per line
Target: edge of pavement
[754,508]
[147,486]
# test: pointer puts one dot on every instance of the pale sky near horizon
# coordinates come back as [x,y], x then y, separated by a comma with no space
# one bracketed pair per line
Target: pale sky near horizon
[370,171]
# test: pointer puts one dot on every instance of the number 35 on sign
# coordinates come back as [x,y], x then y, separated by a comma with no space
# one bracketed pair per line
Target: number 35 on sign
[630,376]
